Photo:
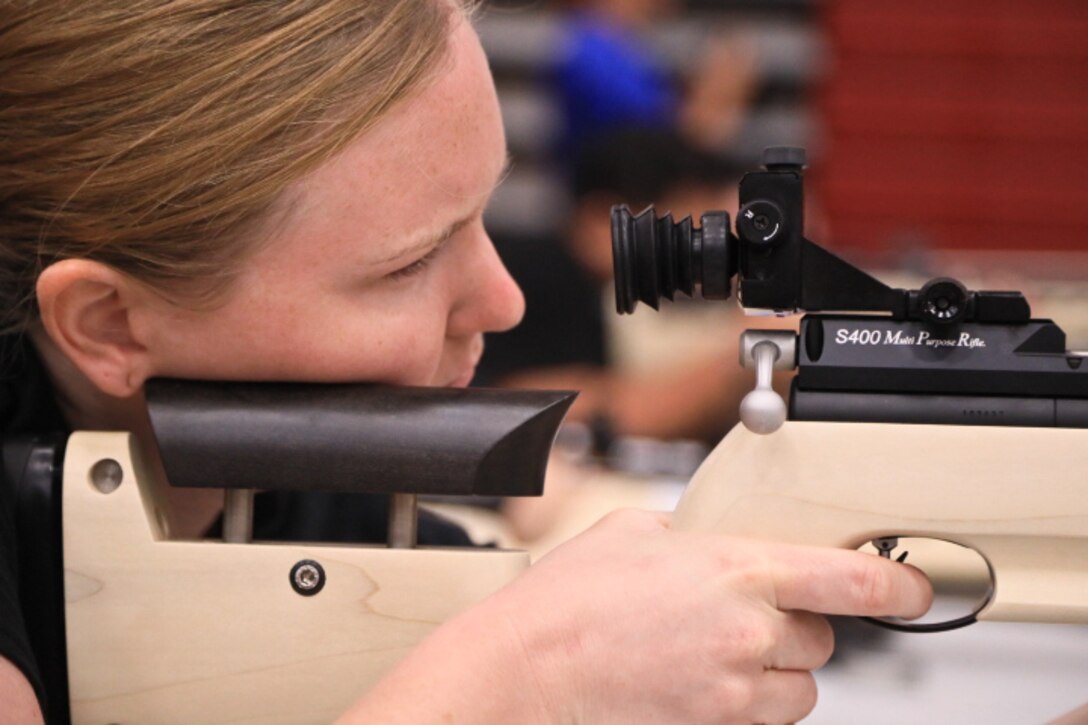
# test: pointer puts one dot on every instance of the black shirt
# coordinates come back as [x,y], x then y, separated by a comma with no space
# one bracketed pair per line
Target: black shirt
[26,406]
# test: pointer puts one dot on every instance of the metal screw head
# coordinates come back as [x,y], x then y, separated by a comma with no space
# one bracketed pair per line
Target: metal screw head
[106,475]
[307,577]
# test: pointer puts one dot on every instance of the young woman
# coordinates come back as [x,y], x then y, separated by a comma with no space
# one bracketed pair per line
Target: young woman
[226,189]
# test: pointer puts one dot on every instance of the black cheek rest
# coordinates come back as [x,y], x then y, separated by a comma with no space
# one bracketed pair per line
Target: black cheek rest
[355,438]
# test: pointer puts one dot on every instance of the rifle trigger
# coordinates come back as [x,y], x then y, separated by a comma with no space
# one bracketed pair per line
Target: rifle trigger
[885,545]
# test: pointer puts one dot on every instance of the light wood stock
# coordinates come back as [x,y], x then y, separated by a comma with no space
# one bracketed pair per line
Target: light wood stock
[1017,496]
[165,631]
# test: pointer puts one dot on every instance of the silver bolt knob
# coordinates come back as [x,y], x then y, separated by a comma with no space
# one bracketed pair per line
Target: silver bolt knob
[763,411]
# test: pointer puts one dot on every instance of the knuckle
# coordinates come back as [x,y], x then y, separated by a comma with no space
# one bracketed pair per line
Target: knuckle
[872,588]
[739,577]
[737,694]
[825,642]
[818,637]
[805,694]
[626,519]
[743,570]
[752,641]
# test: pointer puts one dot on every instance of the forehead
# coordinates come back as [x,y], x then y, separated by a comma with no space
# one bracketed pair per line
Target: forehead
[433,159]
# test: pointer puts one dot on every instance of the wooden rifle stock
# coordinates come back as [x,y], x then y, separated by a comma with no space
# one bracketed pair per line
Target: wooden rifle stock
[166,630]
[1017,496]
[206,632]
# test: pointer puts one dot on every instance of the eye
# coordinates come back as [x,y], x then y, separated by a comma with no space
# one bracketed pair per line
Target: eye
[423,262]
[417,266]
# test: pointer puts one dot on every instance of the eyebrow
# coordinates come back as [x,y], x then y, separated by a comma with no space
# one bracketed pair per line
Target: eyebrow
[432,241]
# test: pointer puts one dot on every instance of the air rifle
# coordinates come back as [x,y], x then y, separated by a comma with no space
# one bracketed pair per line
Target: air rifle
[938,413]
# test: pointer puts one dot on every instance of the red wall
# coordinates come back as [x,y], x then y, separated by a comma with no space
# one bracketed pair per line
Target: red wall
[963,123]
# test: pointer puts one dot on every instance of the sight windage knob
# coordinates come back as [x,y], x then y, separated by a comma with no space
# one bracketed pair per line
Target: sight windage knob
[761,224]
[654,257]
[943,301]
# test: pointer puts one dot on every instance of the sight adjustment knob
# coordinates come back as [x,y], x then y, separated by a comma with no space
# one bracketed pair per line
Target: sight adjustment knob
[784,158]
[943,301]
[761,224]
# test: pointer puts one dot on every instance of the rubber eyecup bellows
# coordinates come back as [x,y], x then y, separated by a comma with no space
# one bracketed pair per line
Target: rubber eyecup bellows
[655,257]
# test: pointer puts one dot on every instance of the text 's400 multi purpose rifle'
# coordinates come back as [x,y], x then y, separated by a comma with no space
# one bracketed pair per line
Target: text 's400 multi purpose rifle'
[938,413]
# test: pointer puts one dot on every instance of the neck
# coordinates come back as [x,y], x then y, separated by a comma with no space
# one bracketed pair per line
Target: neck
[85,407]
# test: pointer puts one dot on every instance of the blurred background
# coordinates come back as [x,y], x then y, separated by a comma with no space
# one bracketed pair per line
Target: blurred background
[933,125]
[944,138]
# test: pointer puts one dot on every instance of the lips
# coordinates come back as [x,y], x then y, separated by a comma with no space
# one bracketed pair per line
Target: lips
[468,371]
[464,379]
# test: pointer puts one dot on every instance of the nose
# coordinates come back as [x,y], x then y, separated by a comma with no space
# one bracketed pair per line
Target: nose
[489,299]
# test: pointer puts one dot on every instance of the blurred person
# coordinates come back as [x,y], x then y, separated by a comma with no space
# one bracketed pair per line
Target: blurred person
[608,78]
[294,191]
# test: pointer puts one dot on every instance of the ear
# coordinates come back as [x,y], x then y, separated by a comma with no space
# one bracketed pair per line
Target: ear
[88,310]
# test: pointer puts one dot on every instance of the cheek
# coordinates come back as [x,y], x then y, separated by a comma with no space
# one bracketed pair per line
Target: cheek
[404,347]
[400,359]
[319,333]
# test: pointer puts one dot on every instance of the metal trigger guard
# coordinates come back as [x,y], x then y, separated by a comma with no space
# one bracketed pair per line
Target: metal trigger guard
[948,626]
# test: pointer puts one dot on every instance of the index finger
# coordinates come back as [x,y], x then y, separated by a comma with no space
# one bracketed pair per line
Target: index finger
[838,581]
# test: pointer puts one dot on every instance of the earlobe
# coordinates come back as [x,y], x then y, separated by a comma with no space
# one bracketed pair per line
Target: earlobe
[87,309]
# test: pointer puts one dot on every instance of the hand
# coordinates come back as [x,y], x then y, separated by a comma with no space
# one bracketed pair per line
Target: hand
[634,622]
[18,704]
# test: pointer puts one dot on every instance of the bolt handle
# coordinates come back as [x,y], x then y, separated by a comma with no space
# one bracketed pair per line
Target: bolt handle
[763,411]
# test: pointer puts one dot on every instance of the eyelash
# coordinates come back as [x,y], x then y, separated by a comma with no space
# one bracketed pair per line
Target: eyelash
[417,266]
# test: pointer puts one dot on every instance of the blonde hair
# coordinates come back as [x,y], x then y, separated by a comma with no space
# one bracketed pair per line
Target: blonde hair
[155,136]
